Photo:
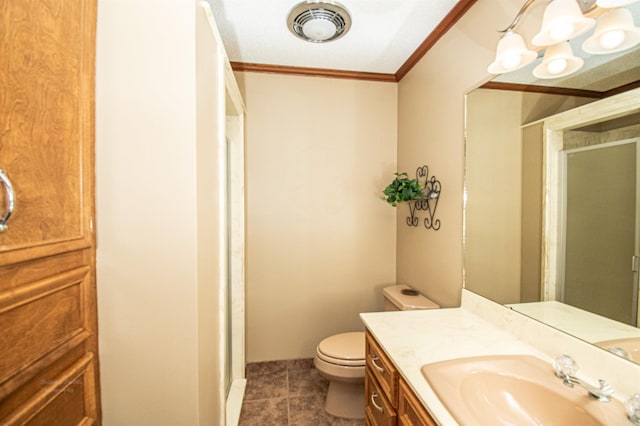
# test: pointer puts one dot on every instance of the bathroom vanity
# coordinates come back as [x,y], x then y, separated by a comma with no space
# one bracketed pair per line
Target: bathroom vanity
[389,400]
[399,344]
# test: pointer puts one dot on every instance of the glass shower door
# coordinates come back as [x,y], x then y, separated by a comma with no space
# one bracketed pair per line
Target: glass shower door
[600,238]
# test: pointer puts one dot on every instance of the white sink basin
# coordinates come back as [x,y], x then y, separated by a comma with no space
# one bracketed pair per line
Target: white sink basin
[517,390]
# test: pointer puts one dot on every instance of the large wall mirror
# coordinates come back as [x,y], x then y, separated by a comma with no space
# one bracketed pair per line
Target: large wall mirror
[552,199]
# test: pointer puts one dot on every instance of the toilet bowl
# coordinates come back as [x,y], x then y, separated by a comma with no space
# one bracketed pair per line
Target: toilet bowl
[341,358]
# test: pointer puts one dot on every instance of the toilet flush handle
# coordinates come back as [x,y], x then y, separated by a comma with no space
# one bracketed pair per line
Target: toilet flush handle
[375,358]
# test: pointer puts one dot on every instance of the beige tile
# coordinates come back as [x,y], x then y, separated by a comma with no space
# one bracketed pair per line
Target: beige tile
[309,410]
[266,386]
[300,364]
[266,367]
[287,393]
[307,382]
[266,412]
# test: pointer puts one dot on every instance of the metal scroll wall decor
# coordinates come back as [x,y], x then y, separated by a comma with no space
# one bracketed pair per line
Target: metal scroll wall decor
[427,204]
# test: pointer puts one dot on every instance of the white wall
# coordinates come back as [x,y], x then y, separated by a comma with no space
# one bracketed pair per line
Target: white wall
[497,224]
[211,206]
[494,192]
[159,343]
[307,139]
[431,131]
[320,242]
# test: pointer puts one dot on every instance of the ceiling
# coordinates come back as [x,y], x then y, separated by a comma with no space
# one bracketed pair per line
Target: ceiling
[387,37]
[383,35]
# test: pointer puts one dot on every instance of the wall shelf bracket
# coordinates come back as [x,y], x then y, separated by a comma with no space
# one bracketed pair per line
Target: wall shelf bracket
[432,190]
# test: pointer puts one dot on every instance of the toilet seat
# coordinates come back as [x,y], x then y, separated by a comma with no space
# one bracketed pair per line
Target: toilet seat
[345,349]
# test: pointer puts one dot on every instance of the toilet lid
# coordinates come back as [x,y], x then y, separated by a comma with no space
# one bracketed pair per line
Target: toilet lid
[345,348]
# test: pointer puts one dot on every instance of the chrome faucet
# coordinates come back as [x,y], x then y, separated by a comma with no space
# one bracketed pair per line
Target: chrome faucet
[565,368]
[601,393]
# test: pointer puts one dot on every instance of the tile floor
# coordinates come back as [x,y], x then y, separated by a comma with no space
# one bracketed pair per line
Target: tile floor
[287,393]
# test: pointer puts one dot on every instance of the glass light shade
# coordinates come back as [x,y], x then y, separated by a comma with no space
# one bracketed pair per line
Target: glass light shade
[319,29]
[562,20]
[615,32]
[558,61]
[511,54]
[557,66]
[607,4]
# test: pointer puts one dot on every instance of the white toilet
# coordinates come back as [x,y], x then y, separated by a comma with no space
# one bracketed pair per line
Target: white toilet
[341,358]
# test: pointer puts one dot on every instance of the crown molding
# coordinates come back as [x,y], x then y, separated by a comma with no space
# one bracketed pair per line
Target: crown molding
[313,72]
[445,25]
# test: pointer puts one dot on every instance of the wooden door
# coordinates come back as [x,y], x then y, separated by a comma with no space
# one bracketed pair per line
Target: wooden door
[48,325]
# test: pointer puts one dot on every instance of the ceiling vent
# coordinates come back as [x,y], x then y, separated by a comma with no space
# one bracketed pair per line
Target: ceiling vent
[318,21]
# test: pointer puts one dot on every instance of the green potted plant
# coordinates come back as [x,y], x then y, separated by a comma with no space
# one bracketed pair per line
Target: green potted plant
[402,189]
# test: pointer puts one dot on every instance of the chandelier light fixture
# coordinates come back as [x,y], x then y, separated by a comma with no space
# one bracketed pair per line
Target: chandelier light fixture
[562,21]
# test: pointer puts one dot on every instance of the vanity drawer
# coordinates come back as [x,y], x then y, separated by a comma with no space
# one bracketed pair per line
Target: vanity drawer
[378,410]
[410,410]
[382,369]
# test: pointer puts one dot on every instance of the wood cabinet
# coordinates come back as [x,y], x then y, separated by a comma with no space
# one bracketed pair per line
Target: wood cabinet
[410,409]
[48,338]
[381,386]
[378,408]
[389,401]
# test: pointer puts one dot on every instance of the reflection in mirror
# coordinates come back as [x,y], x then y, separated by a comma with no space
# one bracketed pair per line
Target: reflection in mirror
[600,72]
[503,160]
[528,187]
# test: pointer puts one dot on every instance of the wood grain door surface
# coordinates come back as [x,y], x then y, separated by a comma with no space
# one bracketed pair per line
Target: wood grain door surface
[48,323]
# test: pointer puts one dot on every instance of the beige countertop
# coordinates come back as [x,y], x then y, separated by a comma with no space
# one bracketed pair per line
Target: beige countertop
[482,327]
[415,338]
[577,322]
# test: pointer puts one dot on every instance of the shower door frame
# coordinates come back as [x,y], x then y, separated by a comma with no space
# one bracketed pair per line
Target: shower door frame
[562,213]
[554,127]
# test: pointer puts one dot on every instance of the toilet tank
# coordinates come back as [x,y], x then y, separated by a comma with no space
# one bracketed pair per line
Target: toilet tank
[400,297]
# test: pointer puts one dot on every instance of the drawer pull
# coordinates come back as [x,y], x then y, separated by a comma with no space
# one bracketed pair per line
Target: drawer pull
[4,179]
[373,402]
[375,358]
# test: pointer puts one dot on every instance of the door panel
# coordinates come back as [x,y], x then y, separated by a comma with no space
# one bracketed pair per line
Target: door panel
[66,399]
[48,343]
[46,81]
[37,319]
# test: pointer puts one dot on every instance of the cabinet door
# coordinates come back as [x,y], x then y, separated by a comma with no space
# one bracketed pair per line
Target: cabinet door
[382,369]
[48,342]
[46,124]
[378,409]
[411,412]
